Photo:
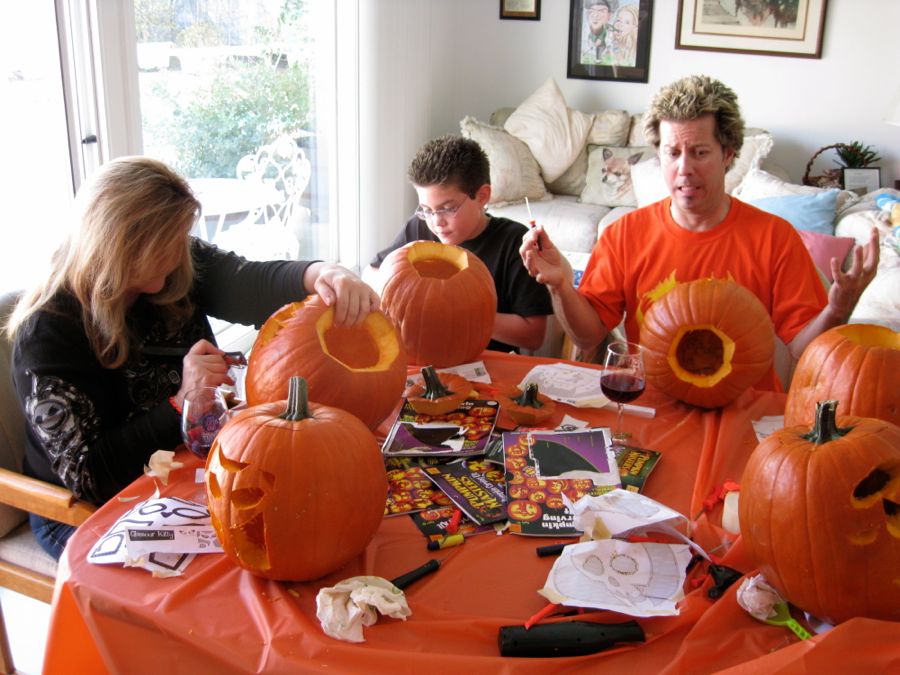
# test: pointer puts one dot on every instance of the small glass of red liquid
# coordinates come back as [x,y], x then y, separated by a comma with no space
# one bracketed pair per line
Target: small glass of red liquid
[622,379]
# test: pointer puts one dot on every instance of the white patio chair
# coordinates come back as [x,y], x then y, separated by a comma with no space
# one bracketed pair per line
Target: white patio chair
[273,234]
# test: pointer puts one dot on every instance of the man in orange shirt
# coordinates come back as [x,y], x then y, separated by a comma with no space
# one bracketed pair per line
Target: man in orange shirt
[699,231]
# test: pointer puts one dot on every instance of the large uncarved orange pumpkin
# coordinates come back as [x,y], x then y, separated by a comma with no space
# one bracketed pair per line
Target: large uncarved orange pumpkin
[820,514]
[295,490]
[361,368]
[858,365]
[707,341]
[443,300]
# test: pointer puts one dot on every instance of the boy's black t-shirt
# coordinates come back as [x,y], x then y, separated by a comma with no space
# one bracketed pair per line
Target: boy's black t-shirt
[498,248]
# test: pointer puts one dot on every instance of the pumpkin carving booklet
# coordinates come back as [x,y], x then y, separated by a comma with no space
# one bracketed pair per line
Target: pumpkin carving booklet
[475,485]
[460,433]
[542,466]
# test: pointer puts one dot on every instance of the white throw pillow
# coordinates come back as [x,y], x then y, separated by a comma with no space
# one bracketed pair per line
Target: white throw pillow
[608,180]
[756,147]
[758,184]
[554,133]
[648,182]
[514,172]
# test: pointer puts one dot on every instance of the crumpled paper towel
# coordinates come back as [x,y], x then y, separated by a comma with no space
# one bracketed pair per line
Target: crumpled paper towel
[344,609]
[757,597]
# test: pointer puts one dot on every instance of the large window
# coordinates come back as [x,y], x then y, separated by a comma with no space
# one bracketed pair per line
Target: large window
[36,171]
[213,87]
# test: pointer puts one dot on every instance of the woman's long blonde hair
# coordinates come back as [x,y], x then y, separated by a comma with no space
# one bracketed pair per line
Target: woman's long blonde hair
[131,211]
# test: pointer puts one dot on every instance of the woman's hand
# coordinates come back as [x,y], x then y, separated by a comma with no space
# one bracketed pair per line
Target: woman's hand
[203,366]
[351,297]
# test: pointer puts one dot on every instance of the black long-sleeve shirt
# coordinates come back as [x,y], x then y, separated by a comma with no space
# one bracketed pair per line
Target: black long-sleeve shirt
[92,429]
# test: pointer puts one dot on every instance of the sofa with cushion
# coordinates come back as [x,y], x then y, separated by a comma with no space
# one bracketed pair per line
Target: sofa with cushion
[575,173]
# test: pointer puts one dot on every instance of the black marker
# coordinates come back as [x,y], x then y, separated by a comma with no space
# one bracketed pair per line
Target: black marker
[405,580]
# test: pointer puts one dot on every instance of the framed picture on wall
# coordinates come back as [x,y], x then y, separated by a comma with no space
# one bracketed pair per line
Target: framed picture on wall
[610,40]
[772,27]
[529,10]
[861,181]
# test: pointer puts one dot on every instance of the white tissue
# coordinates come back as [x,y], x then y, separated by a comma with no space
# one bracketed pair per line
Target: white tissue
[344,609]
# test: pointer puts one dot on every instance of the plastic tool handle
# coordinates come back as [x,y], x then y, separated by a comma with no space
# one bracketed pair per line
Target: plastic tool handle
[571,638]
[405,580]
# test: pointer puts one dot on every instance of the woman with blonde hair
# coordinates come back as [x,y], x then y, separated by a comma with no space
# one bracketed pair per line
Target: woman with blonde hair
[105,348]
[623,49]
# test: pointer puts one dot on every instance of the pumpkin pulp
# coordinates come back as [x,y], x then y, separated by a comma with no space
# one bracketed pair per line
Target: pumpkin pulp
[870,335]
[701,355]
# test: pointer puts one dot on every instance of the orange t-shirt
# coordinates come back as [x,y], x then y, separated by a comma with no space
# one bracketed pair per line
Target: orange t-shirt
[638,258]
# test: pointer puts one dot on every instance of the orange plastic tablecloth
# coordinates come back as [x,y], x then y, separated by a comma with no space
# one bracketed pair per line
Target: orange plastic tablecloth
[217,618]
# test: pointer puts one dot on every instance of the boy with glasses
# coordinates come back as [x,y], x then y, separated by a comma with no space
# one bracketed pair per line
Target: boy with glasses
[451,176]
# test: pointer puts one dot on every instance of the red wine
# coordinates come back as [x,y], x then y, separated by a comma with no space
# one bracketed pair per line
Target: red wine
[621,387]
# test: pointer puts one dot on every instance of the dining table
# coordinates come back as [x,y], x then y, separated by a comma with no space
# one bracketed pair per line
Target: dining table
[220,618]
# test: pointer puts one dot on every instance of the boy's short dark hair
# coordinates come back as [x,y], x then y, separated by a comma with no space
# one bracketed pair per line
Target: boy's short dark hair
[451,160]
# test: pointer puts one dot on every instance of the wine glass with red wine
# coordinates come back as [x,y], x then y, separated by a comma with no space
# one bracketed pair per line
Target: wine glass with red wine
[622,379]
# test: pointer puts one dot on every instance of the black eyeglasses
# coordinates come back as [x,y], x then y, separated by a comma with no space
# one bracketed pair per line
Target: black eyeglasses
[448,212]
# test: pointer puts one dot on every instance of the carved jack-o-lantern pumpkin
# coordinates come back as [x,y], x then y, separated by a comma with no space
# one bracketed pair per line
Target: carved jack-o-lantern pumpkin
[706,341]
[820,513]
[443,300]
[360,369]
[858,365]
[295,494]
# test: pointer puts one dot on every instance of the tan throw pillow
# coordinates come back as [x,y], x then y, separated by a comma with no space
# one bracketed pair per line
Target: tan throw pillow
[610,127]
[608,180]
[636,135]
[555,133]
[514,172]
[572,181]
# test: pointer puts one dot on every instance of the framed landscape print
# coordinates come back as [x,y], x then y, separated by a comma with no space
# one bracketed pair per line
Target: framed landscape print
[610,40]
[771,27]
[530,10]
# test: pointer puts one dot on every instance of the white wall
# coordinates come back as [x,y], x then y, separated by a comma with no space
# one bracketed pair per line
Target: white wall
[435,61]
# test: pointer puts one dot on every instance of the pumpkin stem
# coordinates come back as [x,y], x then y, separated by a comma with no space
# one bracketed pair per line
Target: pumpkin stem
[434,388]
[529,397]
[825,428]
[298,400]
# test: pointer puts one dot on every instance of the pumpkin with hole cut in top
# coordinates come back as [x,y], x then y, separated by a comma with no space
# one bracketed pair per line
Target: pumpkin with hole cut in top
[295,489]
[819,512]
[706,341]
[858,365]
[438,393]
[360,369]
[529,407]
[442,299]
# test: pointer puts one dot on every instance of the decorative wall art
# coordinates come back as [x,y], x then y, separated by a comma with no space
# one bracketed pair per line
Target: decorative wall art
[529,10]
[610,40]
[772,27]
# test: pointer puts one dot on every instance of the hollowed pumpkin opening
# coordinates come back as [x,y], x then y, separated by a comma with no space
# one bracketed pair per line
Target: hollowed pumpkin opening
[250,543]
[892,513]
[701,355]
[436,261]
[246,498]
[371,346]
[869,489]
[871,335]
[214,488]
